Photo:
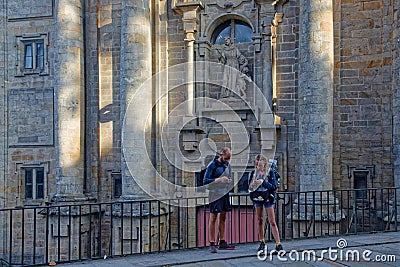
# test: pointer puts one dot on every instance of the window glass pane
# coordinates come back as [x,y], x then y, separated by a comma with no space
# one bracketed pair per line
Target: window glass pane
[221,32]
[243,33]
[28,183]
[117,185]
[40,55]
[28,58]
[40,191]
[360,182]
[28,50]
[28,176]
[40,176]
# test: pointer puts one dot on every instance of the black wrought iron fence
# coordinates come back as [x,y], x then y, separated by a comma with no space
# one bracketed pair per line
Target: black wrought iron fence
[63,233]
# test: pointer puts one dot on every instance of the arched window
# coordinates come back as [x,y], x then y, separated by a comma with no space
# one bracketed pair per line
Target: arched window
[238,30]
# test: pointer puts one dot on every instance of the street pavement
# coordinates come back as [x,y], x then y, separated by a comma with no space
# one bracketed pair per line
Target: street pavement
[375,250]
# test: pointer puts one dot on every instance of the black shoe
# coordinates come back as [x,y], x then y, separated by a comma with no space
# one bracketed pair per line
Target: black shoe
[213,248]
[261,247]
[225,246]
[277,249]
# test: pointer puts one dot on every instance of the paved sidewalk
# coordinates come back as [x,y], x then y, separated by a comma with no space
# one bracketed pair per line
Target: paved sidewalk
[380,249]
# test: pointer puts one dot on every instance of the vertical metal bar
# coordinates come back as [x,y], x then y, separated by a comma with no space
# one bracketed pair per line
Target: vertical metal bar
[196,244]
[334,211]
[283,225]
[159,224]
[231,220]
[111,230]
[355,212]
[247,210]
[179,224]
[348,212]
[328,215]
[291,215]
[131,214]
[382,210]
[370,223]
[141,227]
[238,222]
[122,230]
[169,224]
[150,224]
[388,206]
[47,235]
[90,232]
[320,210]
[99,247]
[205,222]
[23,236]
[58,234]
[362,212]
[313,222]
[80,233]
[34,235]
[298,216]
[69,232]
[306,212]
[395,209]
[11,238]
[254,224]
[340,207]
[187,222]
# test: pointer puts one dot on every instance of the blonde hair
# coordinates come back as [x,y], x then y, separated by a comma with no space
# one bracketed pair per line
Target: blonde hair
[263,159]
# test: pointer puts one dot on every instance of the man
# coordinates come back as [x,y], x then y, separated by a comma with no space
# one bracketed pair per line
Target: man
[218,178]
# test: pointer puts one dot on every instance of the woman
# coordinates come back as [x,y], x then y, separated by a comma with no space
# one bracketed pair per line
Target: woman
[263,179]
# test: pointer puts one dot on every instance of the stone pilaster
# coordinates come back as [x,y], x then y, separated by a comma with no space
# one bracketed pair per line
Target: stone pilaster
[189,11]
[136,68]
[69,90]
[266,45]
[315,95]
[315,98]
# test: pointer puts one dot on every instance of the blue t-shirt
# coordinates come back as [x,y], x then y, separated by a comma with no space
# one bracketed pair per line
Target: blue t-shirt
[214,170]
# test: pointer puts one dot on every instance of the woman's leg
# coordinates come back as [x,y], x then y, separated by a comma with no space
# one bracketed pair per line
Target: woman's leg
[274,228]
[260,221]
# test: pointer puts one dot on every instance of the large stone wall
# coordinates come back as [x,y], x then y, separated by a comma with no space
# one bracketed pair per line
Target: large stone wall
[286,86]
[365,90]
[105,116]
[362,88]
[28,99]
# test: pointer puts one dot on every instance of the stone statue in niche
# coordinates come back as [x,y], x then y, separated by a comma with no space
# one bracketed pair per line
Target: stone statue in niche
[236,69]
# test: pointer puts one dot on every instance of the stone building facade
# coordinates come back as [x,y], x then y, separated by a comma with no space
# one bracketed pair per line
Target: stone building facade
[117,100]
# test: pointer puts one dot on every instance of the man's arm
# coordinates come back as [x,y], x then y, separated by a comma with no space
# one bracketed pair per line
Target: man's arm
[207,175]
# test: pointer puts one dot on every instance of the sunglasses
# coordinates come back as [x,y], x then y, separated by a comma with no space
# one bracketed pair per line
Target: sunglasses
[226,158]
